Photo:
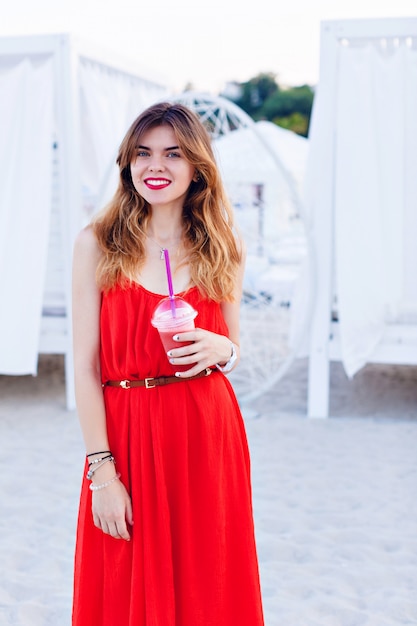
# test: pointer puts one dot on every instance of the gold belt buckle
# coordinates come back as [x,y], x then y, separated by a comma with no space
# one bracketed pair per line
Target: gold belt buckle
[125,384]
[148,383]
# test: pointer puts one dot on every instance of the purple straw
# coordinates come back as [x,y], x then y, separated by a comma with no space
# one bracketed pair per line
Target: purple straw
[169,277]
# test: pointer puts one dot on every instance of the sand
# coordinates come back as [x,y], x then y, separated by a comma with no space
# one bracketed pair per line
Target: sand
[335,501]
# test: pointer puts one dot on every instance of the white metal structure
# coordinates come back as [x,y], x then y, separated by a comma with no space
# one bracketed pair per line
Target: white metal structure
[64,109]
[220,116]
[361,200]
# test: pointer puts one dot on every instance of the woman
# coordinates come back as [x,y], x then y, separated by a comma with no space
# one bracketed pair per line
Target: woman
[165,533]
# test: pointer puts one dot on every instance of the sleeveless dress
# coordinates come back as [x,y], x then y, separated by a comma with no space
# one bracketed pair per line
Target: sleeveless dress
[182,453]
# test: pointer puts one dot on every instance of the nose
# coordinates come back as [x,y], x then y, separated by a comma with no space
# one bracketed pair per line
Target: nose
[155,165]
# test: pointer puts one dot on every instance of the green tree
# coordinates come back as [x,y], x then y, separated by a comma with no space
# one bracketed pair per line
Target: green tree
[262,98]
[256,92]
[297,122]
[290,108]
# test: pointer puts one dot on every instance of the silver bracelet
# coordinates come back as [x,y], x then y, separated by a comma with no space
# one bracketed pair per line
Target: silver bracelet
[91,471]
[230,363]
[106,484]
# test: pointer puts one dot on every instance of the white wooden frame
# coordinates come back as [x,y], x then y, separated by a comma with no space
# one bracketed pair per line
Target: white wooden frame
[400,344]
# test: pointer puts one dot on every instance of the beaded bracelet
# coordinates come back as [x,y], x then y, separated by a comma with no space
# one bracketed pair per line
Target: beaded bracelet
[106,484]
[92,470]
[101,452]
[99,459]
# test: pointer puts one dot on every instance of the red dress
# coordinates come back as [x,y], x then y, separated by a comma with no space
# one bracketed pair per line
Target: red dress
[182,453]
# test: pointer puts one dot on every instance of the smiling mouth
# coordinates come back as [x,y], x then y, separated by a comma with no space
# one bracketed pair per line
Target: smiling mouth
[157,183]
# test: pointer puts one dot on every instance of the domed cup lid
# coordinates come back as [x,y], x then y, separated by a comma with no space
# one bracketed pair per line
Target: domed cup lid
[172,312]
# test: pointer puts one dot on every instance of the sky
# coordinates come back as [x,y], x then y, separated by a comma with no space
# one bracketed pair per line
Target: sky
[202,44]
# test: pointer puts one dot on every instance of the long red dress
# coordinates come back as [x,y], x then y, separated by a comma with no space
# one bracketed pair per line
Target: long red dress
[182,453]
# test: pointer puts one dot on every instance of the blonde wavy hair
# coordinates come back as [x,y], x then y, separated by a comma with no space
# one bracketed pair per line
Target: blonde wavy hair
[214,250]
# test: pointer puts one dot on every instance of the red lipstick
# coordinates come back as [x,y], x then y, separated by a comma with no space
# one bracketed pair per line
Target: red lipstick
[157,183]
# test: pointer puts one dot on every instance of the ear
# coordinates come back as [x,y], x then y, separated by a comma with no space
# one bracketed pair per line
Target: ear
[196,177]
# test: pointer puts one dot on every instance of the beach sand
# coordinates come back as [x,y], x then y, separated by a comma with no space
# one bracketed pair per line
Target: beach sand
[335,501]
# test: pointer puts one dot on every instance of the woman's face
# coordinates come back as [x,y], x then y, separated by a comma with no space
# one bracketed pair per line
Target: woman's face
[160,172]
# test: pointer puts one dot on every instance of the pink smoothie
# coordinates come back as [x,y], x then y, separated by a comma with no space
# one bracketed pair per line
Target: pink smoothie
[169,344]
[169,325]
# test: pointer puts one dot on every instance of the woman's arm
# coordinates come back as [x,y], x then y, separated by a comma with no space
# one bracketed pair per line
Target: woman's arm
[111,505]
[209,348]
[86,335]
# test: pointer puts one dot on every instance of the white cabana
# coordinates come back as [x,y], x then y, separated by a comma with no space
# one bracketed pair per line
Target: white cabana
[263,170]
[265,156]
[361,199]
[64,109]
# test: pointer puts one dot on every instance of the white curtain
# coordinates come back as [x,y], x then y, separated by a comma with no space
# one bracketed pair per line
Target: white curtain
[410,181]
[109,102]
[359,254]
[26,126]
[372,150]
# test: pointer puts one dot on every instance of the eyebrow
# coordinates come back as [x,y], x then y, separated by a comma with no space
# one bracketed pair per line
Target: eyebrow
[166,149]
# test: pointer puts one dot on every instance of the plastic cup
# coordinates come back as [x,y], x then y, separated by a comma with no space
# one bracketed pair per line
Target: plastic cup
[170,317]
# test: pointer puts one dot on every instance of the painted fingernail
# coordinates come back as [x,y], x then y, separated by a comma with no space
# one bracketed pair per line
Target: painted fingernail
[169,353]
[177,374]
[176,337]
[172,361]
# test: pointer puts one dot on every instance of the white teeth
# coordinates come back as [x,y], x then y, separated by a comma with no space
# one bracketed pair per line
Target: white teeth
[157,182]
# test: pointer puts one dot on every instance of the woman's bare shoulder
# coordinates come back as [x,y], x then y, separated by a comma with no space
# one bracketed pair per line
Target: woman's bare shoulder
[86,243]
[87,255]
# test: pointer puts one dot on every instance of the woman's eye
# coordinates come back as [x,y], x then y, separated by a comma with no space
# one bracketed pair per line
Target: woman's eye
[142,153]
[173,154]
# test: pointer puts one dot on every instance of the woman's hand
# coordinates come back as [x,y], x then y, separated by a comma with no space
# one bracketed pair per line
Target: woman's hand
[207,349]
[112,510]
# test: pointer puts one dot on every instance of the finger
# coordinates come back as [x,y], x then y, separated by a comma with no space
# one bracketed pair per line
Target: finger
[114,531]
[176,353]
[190,335]
[97,521]
[129,512]
[188,350]
[122,531]
[187,359]
[191,372]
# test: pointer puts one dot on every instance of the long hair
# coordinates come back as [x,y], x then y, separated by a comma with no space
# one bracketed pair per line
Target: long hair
[214,254]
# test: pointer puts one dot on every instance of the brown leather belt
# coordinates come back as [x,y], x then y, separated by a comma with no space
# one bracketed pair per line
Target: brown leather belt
[151,383]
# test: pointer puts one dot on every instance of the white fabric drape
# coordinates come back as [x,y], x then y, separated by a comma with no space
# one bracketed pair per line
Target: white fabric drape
[410,180]
[370,189]
[109,102]
[26,125]
[359,254]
